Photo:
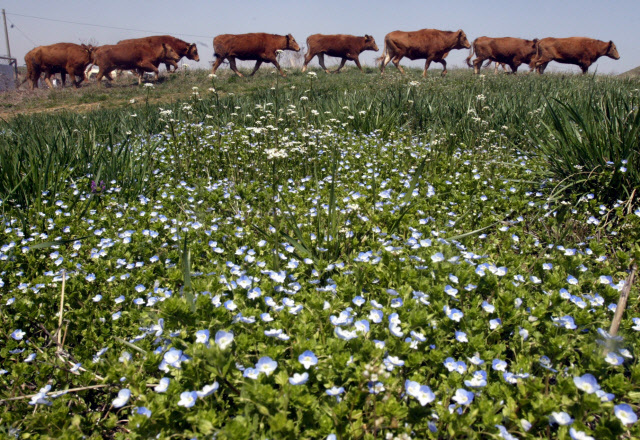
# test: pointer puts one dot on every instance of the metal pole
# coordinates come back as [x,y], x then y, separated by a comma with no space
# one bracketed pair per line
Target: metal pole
[6,33]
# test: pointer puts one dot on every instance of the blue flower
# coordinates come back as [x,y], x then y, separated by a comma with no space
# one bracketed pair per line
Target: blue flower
[422,393]
[18,335]
[223,339]
[208,389]
[560,418]
[453,314]
[122,399]
[41,397]
[504,433]
[625,414]
[202,337]
[144,411]
[266,365]
[478,380]
[461,336]
[308,359]
[463,397]
[587,383]
[188,399]
[251,373]
[335,391]
[451,291]
[499,365]
[377,315]
[362,326]
[162,386]
[613,359]
[299,379]
[579,435]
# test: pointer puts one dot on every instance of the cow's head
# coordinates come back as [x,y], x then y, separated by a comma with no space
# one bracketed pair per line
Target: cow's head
[88,48]
[192,52]
[370,43]
[169,53]
[463,43]
[291,43]
[612,51]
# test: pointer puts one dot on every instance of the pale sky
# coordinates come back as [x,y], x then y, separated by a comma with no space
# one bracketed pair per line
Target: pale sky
[200,21]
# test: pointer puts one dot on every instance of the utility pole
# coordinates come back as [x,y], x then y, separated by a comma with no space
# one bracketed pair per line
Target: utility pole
[6,33]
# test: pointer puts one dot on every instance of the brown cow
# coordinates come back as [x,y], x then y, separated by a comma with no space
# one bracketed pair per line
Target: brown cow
[140,57]
[511,51]
[182,48]
[347,47]
[260,47]
[431,44]
[574,50]
[62,58]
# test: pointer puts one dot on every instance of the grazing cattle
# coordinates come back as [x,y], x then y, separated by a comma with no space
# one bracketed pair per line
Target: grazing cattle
[260,47]
[140,57]
[574,50]
[182,48]
[507,50]
[431,44]
[62,58]
[347,47]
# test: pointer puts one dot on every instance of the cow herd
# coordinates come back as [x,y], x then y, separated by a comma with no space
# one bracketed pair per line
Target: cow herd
[146,54]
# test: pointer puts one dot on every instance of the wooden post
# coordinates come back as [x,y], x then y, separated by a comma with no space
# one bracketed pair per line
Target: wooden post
[6,33]
[622,302]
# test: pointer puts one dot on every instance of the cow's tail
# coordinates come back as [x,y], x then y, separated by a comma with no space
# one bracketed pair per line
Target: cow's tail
[385,53]
[470,54]
[308,46]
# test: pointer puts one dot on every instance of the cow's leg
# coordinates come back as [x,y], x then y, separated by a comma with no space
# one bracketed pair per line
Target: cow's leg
[357,61]
[584,67]
[72,74]
[63,78]
[396,62]
[541,66]
[256,67]
[514,67]
[427,63]
[307,59]
[275,63]
[217,63]
[103,73]
[321,62]
[444,67]
[342,63]
[47,79]
[385,60]
[477,64]
[232,64]
[170,63]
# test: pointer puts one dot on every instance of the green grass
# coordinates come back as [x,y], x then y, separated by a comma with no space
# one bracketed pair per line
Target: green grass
[344,199]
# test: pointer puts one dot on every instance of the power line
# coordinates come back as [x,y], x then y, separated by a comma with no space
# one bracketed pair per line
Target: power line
[103,26]
[13,25]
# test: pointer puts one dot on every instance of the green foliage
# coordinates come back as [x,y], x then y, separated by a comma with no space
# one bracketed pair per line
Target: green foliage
[338,197]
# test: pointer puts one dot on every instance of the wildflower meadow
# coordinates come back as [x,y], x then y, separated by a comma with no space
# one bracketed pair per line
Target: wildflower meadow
[326,256]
